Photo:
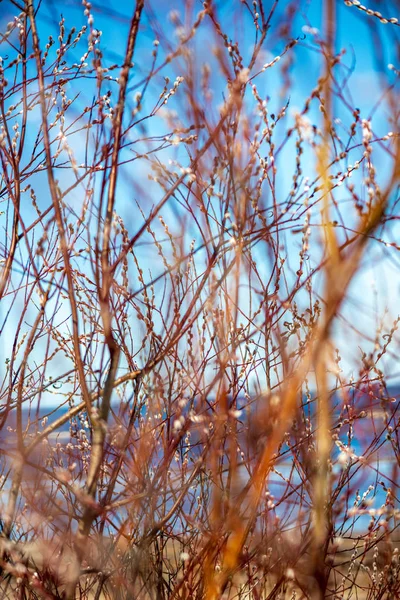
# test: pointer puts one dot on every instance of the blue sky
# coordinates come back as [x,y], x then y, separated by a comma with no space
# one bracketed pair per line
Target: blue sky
[377,285]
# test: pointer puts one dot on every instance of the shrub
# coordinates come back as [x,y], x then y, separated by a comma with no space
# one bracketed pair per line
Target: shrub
[196,396]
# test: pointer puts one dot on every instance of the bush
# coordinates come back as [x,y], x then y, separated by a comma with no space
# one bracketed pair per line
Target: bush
[197,391]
